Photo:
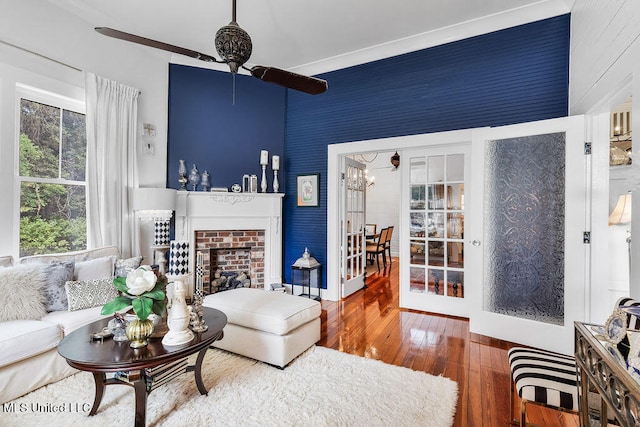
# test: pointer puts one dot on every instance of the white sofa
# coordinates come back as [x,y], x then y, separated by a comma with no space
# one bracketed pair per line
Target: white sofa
[28,347]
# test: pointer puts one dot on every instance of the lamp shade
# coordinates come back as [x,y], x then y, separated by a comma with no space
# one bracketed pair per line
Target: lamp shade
[622,212]
[154,203]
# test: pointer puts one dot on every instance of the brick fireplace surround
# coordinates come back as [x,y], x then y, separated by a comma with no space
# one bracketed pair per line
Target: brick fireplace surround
[249,223]
[232,251]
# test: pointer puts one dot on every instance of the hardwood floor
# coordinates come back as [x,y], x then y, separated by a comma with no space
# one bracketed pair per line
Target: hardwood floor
[370,323]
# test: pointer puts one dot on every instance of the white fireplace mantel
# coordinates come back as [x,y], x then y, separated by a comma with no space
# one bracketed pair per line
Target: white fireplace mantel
[202,211]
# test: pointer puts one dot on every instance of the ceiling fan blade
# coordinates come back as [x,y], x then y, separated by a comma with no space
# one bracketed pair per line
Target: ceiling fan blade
[310,85]
[154,43]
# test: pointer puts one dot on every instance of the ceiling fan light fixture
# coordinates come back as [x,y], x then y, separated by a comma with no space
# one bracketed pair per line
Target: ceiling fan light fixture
[234,46]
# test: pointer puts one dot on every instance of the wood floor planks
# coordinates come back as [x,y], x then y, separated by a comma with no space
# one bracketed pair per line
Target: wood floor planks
[370,323]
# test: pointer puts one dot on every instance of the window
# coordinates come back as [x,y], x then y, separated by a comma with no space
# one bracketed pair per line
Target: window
[51,174]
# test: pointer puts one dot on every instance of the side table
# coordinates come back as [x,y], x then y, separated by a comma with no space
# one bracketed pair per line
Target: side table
[602,368]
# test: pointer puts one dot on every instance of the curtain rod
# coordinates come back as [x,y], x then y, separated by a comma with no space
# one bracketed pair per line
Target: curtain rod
[47,58]
[40,55]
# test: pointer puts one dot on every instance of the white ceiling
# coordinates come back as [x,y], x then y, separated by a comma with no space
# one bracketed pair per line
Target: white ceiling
[312,36]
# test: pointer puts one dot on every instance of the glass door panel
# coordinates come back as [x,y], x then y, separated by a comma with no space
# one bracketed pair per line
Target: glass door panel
[353,260]
[436,215]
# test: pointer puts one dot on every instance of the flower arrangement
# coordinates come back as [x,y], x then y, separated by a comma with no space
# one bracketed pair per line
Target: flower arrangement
[142,290]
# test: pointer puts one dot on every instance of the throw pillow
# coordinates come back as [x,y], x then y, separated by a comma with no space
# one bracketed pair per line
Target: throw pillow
[21,296]
[90,293]
[56,275]
[98,268]
[124,266]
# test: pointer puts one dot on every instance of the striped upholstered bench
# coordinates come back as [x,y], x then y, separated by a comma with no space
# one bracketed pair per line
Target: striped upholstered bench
[543,378]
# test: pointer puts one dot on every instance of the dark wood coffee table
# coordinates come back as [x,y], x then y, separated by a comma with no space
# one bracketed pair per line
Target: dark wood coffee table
[99,358]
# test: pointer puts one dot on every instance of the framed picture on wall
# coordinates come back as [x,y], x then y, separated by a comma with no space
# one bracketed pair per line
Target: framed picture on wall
[308,189]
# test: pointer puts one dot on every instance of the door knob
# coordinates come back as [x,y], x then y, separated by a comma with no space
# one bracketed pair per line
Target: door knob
[475,242]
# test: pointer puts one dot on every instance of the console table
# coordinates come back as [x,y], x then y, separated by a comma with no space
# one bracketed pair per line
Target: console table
[603,370]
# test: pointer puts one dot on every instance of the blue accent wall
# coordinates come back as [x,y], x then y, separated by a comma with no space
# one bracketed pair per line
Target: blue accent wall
[510,76]
[208,130]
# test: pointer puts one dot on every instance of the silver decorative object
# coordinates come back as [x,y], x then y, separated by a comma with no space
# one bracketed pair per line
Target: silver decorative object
[182,175]
[206,181]
[276,184]
[197,321]
[194,177]
[275,165]
[263,183]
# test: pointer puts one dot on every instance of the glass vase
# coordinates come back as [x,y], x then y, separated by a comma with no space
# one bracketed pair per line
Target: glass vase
[194,177]
[138,332]
[182,175]
[117,326]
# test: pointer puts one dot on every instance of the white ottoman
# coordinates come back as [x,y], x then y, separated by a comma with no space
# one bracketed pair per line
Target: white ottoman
[272,327]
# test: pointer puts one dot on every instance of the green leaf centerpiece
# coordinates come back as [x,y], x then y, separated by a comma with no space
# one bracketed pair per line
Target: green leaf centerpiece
[142,290]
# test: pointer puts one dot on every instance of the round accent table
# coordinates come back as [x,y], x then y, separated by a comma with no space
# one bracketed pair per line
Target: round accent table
[135,367]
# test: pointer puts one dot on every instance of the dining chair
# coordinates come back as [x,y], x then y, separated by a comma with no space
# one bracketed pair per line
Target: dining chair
[370,232]
[387,244]
[377,248]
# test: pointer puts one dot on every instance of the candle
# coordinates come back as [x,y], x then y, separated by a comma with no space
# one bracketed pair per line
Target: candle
[264,157]
[275,163]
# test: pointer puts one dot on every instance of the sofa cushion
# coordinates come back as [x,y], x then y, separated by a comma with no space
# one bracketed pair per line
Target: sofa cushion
[21,294]
[21,339]
[69,321]
[90,293]
[272,312]
[72,256]
[124,266]
[97,268]
[57,274]
[6,261]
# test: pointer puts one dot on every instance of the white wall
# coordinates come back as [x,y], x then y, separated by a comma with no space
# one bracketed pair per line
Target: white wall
[605,71]
[383,199]
[39,27]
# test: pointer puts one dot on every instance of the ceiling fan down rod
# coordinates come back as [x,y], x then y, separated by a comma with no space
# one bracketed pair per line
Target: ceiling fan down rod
[233,11]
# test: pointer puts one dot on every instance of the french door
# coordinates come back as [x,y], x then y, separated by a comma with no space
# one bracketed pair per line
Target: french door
[525,242]
[432,255]
[352,214]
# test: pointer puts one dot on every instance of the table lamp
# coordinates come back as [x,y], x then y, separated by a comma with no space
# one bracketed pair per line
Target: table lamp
[156,205]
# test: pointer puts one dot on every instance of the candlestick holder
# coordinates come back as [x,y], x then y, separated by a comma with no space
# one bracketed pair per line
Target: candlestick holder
[263,183]
[276,184]
[197,320]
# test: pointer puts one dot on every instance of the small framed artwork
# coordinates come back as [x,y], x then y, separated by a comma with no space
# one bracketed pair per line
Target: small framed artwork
[615,328]
[308,189]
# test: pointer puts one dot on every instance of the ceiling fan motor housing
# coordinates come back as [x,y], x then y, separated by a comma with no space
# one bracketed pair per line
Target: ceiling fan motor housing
[233,45]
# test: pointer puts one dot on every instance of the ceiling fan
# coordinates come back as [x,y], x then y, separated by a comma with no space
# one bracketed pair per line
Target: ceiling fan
[233,44]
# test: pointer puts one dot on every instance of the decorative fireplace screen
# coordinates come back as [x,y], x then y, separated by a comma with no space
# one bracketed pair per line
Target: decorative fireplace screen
[524,218]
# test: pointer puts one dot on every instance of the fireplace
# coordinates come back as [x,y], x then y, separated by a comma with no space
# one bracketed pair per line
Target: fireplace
[231,251]
[231,229]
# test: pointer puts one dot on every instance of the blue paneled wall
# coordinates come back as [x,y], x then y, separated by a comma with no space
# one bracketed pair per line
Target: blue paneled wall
[208,130]
[509,76]
[515,75]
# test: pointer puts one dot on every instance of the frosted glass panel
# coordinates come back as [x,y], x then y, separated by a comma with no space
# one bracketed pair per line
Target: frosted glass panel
[524,227]
[436,169]
[417,170]
[455,167]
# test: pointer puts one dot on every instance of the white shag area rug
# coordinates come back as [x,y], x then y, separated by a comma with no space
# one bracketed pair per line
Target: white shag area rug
[322,387]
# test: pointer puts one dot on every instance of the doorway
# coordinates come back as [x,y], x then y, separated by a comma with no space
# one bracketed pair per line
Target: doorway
[383,189]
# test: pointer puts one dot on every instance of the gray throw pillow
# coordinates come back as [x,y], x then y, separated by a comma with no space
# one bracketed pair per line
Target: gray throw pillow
[56,275]
[124,266]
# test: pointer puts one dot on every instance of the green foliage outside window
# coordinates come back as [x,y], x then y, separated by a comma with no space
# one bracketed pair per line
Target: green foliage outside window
[52,172]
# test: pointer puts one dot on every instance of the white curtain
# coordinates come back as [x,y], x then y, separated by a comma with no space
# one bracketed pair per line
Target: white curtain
[112,115]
